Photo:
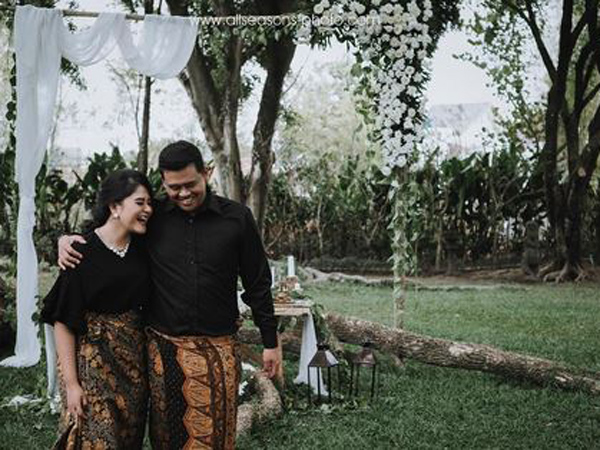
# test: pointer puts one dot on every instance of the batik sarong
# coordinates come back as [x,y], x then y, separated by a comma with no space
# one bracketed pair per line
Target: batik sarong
[112,371]
[193,391]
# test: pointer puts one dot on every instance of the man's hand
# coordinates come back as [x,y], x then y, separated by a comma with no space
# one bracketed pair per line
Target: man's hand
[271,361]
[68,257]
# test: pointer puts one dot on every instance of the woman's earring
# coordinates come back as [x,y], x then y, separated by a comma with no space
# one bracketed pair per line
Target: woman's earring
[115,216]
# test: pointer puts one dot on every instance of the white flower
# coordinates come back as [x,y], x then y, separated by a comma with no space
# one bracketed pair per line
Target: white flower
[414,9]
[319,8]
[387,9]
[359,8]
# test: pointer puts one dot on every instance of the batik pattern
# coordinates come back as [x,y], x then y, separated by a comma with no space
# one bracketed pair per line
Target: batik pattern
[193,383]
[112,371]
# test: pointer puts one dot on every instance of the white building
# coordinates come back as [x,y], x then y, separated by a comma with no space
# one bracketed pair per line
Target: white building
[457,128]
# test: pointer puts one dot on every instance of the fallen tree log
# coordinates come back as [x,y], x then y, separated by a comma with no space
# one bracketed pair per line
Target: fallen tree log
[316,276]
[291,342]
[446,353]
[265,406]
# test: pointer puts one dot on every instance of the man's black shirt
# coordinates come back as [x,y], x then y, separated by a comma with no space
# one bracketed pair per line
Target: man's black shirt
[195,262]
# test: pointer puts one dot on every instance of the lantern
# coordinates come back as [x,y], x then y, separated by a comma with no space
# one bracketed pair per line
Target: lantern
[323,361]
[365,358]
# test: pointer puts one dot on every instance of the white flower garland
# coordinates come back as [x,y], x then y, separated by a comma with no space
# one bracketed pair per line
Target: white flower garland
[391,40]
[6,67]
[391,43]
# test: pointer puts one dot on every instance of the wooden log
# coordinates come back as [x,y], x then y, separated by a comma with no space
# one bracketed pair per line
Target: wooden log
[446,353]
[265,406]
[291,342]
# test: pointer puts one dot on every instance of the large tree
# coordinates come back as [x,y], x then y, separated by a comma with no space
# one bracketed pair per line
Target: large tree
[569,155]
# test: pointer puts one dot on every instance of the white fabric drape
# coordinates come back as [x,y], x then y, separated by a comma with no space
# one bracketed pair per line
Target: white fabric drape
[156,54]
[41,39]
[308,349]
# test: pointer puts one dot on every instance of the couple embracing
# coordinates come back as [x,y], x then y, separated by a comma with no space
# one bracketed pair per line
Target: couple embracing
[146,308]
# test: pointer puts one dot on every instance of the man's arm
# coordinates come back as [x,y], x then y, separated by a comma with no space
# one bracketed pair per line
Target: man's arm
[256,279]
[68,257]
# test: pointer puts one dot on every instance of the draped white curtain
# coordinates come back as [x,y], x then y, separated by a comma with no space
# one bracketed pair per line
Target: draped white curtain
[41,39]
[307,351]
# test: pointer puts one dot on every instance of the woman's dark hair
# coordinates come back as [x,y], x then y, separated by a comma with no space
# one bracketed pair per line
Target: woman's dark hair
[116,187]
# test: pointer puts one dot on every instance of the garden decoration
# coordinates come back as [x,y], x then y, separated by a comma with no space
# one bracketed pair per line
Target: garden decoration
[364,358]
[392,43]
[323,361]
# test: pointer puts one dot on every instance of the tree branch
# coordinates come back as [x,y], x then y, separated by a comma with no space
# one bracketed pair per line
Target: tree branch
[588,98]
[530,20]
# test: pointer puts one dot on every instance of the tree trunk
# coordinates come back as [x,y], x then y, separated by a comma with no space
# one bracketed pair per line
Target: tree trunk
[556,102]
[279,57]
[231,104]
[445,353]
[267,406]
[142,157]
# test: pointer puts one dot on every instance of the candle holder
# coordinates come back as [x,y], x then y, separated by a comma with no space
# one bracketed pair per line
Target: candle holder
[364,358]
[323,361]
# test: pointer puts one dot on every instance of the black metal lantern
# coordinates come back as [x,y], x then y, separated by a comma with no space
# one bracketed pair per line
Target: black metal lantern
[322,361]
[365,358]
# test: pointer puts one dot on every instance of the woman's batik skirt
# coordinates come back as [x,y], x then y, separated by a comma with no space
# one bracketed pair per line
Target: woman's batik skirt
[112,371]
[193,384]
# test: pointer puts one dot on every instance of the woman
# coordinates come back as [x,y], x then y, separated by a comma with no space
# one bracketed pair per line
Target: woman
[95,309]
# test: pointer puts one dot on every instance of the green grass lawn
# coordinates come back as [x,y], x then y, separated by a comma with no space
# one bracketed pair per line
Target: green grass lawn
[419,406]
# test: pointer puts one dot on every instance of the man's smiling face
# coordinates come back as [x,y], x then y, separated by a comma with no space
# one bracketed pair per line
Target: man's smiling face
[186,187]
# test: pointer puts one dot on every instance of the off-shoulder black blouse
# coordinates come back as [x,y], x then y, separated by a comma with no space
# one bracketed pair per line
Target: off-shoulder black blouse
[103,282]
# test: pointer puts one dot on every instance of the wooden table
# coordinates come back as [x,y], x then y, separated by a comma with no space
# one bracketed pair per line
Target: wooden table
[294,308]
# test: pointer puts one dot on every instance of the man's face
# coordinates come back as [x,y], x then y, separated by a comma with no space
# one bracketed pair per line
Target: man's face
[186,187]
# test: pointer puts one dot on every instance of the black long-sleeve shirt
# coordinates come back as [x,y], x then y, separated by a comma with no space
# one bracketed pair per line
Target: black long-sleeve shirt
[103,282]
[195,263]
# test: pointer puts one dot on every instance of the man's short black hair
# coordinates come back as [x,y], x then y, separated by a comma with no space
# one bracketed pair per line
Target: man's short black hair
[179,155]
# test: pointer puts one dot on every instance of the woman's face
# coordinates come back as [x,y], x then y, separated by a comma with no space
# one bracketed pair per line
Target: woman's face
[134,211]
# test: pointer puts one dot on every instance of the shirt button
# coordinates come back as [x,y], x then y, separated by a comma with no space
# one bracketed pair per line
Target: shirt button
[190,221]
[192,262]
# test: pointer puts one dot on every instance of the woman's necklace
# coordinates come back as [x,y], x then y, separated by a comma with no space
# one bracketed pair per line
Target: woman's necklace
[120,252]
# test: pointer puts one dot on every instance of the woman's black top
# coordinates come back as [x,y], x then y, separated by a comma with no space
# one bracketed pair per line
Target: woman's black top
[103,282]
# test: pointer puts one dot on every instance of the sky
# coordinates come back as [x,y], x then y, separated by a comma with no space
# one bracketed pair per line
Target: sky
[91,119]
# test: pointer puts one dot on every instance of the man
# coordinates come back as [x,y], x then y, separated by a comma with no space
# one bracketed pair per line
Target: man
[198,243]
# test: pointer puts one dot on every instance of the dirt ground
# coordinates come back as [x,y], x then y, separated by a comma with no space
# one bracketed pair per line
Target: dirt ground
[495,276]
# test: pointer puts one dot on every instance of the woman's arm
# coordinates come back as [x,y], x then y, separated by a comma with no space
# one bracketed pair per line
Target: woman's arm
[65,347]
